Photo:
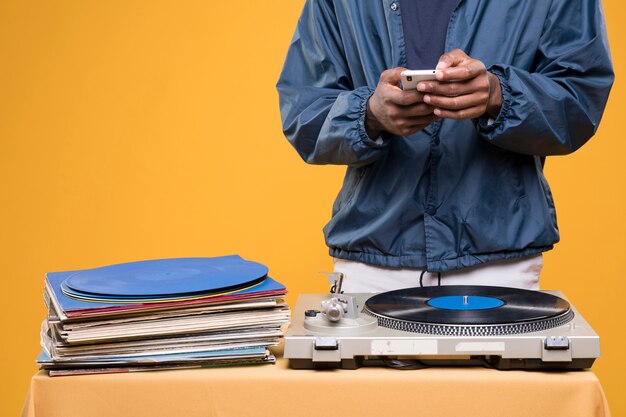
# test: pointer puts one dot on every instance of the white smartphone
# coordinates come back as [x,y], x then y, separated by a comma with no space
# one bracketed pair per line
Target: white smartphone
[410,78]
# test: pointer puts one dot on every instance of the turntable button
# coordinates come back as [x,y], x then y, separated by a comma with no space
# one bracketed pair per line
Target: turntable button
[326,343]
[557,343]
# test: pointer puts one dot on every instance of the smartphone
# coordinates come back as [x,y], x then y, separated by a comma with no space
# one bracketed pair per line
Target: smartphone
[410,78]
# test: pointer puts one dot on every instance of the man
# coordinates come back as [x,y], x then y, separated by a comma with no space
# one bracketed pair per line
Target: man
[446,178]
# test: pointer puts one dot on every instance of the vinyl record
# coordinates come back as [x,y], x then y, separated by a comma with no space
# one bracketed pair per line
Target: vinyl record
[166,278]
[464,309]
[123,299]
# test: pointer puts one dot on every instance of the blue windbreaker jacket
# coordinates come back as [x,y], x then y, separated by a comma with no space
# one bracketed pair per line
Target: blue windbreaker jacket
[458,193]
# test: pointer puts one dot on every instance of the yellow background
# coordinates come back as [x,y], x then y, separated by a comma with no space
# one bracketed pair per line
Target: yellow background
[138,129]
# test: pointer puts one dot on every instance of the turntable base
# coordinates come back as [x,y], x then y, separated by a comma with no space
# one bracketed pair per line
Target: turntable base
[569,344]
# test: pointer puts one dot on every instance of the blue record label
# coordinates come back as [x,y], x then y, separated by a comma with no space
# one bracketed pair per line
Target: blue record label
[165,277]
[465,302]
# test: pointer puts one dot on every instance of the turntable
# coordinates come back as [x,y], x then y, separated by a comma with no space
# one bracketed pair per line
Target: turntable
[503,328]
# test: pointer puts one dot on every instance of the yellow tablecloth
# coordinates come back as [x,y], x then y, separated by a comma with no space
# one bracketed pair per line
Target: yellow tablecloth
[275,390]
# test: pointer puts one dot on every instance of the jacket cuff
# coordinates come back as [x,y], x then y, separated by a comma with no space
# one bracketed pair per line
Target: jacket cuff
[487,125]
[379,142]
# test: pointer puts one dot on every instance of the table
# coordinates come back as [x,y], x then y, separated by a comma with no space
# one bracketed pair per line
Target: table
[276,390]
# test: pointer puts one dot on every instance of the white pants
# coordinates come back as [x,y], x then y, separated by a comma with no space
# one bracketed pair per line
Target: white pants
[516,273]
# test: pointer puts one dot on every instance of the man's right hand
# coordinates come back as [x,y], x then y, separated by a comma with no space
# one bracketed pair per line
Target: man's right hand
[391,109]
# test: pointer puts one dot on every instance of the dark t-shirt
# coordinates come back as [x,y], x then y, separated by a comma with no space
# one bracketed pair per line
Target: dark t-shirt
[425,23]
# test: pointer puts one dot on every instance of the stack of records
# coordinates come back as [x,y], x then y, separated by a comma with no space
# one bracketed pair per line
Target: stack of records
[161,314]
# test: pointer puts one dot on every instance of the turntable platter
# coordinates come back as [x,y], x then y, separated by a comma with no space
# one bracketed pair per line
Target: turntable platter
[468,310]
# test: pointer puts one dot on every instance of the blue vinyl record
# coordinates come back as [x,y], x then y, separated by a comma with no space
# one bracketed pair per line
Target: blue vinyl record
[167,277]
[68,304]
[160,298]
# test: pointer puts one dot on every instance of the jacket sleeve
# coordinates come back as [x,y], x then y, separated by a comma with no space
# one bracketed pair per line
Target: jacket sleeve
[557,106]
[323,115]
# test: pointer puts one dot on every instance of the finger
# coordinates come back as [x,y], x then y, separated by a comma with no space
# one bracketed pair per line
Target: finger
[401,97]
[469,70]
[457,103]
[452,89]
[390,87]
[424,120]
[451,59]
[469,113]
[405,112]
[392,76]
[415,126]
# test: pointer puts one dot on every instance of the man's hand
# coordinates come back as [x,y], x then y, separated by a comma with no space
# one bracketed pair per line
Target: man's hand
[464,89]
[394,110]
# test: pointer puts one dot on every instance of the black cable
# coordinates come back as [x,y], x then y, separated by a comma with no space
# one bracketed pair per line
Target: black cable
[404,364]
[439,279]
[422,277]
[487,363]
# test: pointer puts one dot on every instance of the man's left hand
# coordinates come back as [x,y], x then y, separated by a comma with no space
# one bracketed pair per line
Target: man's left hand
[464,88]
